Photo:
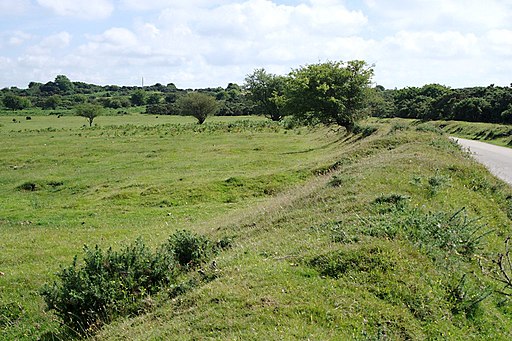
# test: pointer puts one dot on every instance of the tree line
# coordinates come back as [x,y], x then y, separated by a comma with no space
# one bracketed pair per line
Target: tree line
[328,93]
[492,104]
[332,93]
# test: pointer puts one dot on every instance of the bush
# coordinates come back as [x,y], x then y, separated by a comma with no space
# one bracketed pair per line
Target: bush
[119,283]
[189,249]
[437,233]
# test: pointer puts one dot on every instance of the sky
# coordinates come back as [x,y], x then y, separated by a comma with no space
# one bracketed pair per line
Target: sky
[210,43]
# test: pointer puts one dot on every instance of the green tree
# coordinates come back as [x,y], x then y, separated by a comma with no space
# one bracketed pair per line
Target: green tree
[154,98]
[329,93]
[51,102]
[138,97]
[198,105]
[89,111]
[266,91]
[65,86]
[14,102]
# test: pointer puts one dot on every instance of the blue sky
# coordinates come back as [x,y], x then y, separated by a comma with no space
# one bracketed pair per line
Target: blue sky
[203,43]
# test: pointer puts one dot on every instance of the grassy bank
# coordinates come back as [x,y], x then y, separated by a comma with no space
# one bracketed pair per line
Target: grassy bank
[498,134]
[391,235]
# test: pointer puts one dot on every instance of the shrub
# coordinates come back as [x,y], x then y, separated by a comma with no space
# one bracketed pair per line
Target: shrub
[108,284]
[118,283]
[189,249]
[434,232]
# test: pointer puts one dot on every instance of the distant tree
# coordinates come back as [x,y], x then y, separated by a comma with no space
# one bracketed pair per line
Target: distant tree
[15,102]
[65,86]
[329,93]
[89,111]
[198,105]
[51,102]
[171,97]
[79,99]
[266,91]
[154,98]
[138,97]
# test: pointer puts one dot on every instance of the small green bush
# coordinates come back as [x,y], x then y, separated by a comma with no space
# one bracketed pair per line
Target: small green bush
[189,249]
[434,232]
[118,283]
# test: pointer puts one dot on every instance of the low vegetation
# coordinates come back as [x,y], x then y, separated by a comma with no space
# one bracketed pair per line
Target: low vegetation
[391,232]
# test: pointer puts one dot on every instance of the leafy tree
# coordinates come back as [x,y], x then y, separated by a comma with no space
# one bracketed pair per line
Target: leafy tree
[15,102]
[64,84]
[266,91]
[198,105]
[138,98]
[89,111]
[329,93]
[154,98]
[51,102]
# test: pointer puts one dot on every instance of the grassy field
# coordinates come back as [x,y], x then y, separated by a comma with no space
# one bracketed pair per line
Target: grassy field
[334,236]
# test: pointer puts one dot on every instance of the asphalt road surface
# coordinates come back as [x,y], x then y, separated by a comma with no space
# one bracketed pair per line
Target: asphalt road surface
[498,160]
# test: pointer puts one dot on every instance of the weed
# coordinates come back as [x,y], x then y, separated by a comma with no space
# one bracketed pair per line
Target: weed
[10,313]
[432,232]
[362,259]
[436,183]
[398,126]
[464,297]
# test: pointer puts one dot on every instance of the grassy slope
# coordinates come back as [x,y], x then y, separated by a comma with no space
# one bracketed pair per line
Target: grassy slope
[498,134]
[272,284]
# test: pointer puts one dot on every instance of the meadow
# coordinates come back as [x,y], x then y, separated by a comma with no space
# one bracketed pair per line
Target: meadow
[333,236]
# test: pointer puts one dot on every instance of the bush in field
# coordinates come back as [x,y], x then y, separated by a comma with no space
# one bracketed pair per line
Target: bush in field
[197,105]
[89,111]
[118,283]
[189,249]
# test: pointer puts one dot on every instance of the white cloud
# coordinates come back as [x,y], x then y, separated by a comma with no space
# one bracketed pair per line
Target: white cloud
[500,42]
[463,15]
[18,38]
[430,44]
[90,9]
[13,7]
[58,40]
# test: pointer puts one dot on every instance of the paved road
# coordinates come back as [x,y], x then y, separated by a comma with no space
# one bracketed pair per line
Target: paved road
[497,159]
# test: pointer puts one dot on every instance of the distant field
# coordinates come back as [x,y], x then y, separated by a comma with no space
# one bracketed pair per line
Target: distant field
[380,234]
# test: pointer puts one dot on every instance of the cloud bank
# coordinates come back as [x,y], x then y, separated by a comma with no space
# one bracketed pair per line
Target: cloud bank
[199,43]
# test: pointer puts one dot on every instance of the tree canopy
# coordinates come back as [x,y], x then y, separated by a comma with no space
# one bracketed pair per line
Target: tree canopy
[329,93]
[197,105]
[266,91]
[89,111]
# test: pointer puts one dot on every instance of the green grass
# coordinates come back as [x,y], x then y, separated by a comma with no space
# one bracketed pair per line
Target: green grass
[63,186]
[333,237]
[498,134]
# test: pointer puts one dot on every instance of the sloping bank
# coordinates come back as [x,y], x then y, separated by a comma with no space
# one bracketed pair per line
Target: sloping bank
[396,240]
